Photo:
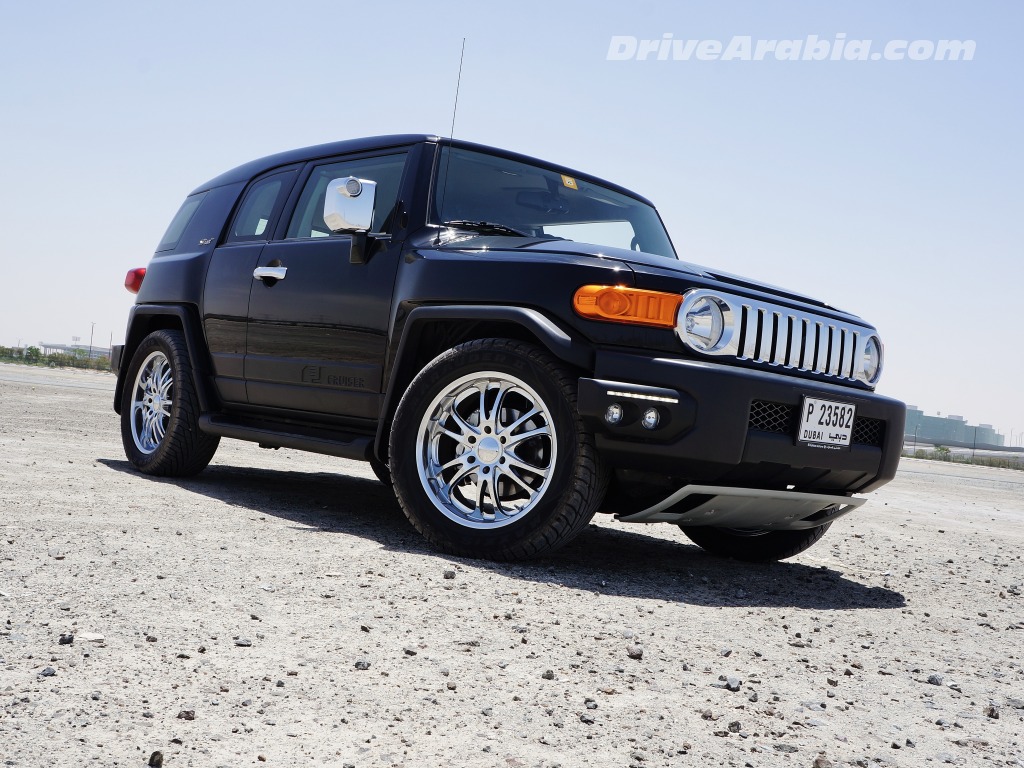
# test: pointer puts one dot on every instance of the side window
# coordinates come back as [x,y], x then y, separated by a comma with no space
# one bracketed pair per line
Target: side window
[255,214]
[180,221]
[308,219]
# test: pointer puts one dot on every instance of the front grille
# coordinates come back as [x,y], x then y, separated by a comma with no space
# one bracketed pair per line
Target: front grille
[777,336]
[781,419]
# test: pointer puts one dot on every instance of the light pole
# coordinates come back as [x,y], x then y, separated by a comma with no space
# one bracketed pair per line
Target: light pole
[91,333]
[915,436]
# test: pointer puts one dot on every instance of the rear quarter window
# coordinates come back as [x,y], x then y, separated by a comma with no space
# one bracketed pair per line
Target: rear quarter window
[180,221]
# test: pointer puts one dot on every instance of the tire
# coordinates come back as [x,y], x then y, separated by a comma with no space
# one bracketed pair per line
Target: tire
[753,546]
[160,410]
[450,440]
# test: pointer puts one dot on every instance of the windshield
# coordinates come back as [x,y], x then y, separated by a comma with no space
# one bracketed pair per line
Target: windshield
[496,196]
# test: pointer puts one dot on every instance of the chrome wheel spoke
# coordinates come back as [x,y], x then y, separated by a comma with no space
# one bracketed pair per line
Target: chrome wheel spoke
[520,421]
[481,494]
[440,430]
[164,384]
[482,405]
[457,478]
[492,417]
[515,440]
[519,464]
[465,426]
[503,473]
[457,461]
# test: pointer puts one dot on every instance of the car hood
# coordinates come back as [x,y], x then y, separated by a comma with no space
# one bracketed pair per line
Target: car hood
[641,263]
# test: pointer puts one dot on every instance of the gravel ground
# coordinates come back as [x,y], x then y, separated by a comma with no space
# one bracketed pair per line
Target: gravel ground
[279,609]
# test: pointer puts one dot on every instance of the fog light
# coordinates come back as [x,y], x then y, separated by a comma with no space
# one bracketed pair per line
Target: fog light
[650,418]
[614,414]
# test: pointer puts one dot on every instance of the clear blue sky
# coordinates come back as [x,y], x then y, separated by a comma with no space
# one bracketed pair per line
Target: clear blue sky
[889,188]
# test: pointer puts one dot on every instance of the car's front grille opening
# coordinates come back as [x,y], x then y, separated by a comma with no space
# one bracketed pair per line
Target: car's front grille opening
[868,432]
[791,339]
[773,417]
[781,419]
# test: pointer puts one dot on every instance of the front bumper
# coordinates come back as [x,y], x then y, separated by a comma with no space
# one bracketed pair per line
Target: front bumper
[716,432]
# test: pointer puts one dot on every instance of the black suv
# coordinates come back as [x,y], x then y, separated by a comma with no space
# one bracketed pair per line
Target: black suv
[514,345]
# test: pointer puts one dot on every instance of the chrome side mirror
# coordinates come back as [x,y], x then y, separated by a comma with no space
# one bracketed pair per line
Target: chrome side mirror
[348,205]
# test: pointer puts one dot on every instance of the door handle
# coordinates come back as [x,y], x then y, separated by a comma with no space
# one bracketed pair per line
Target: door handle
[270,273]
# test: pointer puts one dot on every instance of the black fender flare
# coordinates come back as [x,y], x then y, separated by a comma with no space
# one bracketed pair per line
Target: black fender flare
[550,335]
[146,318]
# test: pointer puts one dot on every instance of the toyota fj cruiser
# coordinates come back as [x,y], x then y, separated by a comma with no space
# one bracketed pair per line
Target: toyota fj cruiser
[513,344]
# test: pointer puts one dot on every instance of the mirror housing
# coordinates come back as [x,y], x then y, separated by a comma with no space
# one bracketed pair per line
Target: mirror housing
[348,205]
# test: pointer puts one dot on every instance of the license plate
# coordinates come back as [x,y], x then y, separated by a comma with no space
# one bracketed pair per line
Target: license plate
[825,424]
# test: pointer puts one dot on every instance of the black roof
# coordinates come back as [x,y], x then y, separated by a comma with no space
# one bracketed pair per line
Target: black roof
[254,168]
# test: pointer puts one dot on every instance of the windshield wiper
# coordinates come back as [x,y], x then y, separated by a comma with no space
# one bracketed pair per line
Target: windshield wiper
[486,227]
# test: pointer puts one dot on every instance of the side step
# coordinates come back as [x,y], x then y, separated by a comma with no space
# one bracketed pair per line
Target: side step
[346,446]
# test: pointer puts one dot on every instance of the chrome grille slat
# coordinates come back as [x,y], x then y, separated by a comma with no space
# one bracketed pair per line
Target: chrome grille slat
[781,338]
[849,342]
[751,332]
[764,346]
[834,351]
[796,348]
[820,347]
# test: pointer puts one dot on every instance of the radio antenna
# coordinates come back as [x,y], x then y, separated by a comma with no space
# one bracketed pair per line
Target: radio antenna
[451,137]
[458,83]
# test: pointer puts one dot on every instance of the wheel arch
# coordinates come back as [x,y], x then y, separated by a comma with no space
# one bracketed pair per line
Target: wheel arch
[147,318]
[429,331]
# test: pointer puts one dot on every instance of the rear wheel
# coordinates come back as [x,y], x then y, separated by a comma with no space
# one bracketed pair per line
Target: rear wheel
[489,456]
[751,545]
[160,410]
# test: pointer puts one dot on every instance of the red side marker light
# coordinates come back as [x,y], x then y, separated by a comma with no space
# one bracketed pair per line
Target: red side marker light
[133,280]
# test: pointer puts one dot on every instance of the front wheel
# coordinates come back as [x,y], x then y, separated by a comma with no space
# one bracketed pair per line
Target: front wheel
[160,410]
[751,545]
[489,455]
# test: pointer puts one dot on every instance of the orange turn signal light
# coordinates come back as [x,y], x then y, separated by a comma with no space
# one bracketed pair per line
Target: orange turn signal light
[620,304]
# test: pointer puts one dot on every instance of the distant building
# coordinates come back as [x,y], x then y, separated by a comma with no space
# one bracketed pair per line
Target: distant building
[938,430]
[94,353]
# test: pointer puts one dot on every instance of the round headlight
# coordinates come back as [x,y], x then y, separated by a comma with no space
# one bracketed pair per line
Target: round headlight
[871,362]
[703,324]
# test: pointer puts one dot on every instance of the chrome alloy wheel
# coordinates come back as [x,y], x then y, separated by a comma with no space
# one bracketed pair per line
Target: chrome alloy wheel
[152,398]
[486,449]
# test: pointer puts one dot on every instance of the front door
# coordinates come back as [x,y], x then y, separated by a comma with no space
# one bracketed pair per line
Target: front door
[317,324]
[229,280]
